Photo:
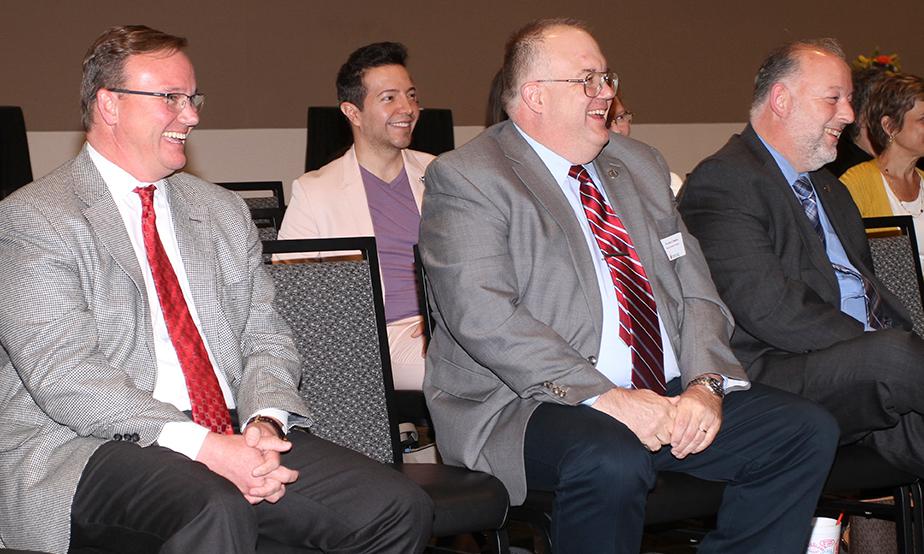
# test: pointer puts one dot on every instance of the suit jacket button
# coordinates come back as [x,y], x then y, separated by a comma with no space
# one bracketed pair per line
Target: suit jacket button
[592,360]
[117,437]
[135,437]
[547,384]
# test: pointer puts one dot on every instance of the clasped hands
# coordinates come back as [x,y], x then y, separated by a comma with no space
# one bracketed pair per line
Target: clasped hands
[251,461]
[688,422]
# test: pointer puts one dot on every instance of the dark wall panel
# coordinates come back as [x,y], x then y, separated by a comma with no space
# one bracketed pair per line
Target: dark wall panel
[262,63]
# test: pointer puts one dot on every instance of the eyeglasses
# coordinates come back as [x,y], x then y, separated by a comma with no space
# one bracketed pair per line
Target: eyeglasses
[624,117]
[593,83]
[176,101]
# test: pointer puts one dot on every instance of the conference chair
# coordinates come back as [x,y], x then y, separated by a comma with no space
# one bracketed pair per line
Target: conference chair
[15,165]
[267,204]
[858,474]
[329,134]
[336,311]
[894,247]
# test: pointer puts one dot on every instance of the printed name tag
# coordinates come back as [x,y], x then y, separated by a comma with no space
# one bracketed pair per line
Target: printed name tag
[673,246]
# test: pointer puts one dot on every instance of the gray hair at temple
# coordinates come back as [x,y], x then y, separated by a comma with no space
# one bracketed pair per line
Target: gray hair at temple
[782,63]
[104,63]
[523,50]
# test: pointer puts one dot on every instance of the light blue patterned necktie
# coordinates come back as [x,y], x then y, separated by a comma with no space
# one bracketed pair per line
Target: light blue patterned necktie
[806,194]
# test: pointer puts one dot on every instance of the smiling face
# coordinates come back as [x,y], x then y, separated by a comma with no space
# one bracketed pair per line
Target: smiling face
[389,111]
[820,92]
[572,124]
[145,136]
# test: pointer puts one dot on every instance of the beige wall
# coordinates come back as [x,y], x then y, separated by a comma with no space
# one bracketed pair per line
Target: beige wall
[263,62]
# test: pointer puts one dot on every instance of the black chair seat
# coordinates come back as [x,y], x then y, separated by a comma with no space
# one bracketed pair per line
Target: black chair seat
[463,499]
[858,468]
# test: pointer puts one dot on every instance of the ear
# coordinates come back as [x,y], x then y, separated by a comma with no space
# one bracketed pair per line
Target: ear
[780,101]
[107,106]
[351,111]
[888,125]
[531,94]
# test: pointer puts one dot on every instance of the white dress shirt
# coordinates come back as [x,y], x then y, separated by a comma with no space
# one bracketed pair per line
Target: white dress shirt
[615,358]
[170,384]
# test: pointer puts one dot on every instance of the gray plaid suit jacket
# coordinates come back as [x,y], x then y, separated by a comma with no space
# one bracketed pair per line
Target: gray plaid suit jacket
[78,363]
[518,307]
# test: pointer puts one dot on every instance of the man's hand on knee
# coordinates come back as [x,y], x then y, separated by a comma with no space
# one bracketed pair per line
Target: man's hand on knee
[263,437]
[699,418]
[231,457]
[647,414]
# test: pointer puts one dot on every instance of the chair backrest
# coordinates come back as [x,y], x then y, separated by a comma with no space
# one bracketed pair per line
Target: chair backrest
[267,203]
[896,263]
[15,165]
[329,134]
[337,314]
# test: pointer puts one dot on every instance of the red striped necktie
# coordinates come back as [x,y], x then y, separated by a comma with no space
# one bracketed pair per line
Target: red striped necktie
[638,313]
[205,396]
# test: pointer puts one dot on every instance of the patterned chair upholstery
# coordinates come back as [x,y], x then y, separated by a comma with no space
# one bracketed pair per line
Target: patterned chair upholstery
[328,307]
[336,311]
[896,263]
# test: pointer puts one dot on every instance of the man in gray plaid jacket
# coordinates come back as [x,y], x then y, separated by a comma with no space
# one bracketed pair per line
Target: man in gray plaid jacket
[96,447]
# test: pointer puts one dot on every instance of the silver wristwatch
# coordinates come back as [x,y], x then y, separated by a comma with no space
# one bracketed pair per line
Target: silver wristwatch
[716,386]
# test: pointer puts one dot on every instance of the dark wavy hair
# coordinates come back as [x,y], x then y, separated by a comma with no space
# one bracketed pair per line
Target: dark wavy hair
[350,77]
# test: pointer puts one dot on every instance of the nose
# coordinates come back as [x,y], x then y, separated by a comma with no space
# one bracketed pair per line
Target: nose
[189,116]
[607,90]
[846,111]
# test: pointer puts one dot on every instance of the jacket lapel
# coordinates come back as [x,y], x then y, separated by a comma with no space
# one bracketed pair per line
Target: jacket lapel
[628,203]
[532,172]
[781,188]
[415,177]
[106,223]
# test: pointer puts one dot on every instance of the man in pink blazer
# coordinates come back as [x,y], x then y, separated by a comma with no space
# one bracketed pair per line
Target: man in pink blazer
[375,189]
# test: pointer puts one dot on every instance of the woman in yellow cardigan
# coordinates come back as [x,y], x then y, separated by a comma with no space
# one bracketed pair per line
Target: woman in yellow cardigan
[890,184]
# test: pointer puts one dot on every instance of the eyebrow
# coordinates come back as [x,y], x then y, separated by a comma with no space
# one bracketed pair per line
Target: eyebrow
[394,90]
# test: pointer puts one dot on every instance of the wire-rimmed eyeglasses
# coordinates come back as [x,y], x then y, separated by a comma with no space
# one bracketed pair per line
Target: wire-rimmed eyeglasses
[593,82]
[176,101]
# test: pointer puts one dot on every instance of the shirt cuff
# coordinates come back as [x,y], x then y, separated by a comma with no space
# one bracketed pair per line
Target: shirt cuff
[590,401]
[184,437]
[281,416]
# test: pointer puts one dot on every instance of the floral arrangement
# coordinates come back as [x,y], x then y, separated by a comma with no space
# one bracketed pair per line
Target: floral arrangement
[887,62]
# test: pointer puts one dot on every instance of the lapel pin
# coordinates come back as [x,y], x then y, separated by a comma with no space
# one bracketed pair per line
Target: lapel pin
[612,173]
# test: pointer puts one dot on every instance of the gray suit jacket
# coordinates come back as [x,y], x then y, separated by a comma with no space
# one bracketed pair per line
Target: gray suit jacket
[518,309]
[766,259]
[78,364]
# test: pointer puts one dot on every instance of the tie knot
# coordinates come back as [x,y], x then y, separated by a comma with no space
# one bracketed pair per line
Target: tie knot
[803,187]
[146,194]
[578,172]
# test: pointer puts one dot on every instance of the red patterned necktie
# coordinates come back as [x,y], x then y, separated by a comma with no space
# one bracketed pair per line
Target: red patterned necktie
[638,313]
[205,396]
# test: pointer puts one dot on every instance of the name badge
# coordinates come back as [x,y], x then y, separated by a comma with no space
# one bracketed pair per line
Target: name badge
[673,246]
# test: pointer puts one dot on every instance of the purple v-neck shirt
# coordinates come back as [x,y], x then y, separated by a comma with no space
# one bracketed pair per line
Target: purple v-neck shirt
[396,223]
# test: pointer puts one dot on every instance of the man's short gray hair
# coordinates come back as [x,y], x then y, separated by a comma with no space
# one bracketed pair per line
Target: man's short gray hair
[782,63]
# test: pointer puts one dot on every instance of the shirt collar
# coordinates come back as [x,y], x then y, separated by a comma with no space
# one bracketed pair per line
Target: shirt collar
[789,172]
[558,166]
[119,181]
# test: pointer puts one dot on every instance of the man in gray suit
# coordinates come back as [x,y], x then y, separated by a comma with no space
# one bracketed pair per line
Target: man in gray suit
[131,294]
[789,255]
[545,368]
